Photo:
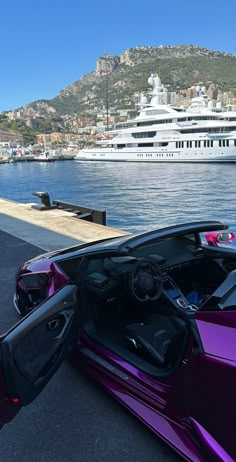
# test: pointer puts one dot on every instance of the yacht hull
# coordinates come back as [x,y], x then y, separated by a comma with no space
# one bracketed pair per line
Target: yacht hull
[131,155]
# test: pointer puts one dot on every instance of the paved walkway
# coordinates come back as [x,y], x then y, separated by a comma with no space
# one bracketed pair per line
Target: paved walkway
[50,229]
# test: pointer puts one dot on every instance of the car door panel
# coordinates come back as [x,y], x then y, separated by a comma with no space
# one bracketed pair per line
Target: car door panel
[33,350]
[7,409]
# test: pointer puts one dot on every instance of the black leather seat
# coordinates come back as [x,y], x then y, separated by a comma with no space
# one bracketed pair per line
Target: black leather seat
[158,338]
[224,295]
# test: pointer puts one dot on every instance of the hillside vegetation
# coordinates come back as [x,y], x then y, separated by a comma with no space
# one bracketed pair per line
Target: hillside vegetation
[117,80]
[178,67]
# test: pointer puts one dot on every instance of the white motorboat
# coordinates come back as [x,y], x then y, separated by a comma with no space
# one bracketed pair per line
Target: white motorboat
[45,156]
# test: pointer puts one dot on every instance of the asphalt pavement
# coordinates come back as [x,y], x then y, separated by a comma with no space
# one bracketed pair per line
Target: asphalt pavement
[73,419]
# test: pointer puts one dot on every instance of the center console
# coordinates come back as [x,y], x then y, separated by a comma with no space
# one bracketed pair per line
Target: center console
[174,295]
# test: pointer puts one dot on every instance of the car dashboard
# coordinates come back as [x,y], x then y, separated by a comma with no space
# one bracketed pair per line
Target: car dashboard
[190,275]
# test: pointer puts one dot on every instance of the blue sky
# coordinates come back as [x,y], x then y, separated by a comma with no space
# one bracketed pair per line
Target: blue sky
[49,44]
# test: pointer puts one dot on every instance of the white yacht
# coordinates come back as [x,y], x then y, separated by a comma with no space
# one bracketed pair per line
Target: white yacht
[163,133]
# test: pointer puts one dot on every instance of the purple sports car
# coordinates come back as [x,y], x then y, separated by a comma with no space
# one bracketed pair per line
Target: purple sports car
[151,317]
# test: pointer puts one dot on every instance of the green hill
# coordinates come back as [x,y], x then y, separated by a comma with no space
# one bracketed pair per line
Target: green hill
[179,68]
[118,78]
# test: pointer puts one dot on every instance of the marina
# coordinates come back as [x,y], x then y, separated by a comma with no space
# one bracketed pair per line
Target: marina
[44,157]
[135,199]
[202,132]
[118,232]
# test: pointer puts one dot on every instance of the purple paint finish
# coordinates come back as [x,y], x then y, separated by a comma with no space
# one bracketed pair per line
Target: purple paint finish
[218,333]
[193,409]
[213,449]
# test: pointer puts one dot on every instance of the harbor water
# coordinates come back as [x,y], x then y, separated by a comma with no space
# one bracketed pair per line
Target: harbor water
[136,196]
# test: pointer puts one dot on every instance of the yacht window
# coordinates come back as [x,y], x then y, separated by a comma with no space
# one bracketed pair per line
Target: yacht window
[143,124]
[195,118]
[163,144]
[179,109]
[156,112]
[227,143]
[153,122]
[120,146]
[144,134]
[145,145]
[206,130]
[220,143]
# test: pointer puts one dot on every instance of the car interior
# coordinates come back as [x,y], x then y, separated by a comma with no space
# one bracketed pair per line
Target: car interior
[141,305]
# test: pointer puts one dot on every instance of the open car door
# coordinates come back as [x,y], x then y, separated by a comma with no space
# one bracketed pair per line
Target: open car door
[32,351]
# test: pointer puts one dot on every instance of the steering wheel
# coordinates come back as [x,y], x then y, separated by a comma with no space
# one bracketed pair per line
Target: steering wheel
[146,280]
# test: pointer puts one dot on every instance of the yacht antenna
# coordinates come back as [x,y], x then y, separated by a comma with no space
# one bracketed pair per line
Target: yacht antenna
[107,104]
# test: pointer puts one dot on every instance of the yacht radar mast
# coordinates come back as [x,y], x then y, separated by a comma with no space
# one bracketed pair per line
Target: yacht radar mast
[159,92]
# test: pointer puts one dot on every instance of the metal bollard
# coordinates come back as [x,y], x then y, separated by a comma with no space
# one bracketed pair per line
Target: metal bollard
[45,201]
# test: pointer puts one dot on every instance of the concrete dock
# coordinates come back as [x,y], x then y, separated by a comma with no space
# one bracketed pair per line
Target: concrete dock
[72,420]
[50,229]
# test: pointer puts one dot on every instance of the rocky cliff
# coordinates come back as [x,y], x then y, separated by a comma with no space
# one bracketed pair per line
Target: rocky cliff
[121,77]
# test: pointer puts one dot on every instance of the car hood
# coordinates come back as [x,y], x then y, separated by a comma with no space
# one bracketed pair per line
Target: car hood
[217,330]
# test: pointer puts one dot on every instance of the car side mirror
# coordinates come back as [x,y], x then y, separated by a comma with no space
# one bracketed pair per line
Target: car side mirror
[215,238]
[34,280]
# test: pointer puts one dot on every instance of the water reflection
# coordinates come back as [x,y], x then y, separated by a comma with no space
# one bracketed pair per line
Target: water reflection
[136,196]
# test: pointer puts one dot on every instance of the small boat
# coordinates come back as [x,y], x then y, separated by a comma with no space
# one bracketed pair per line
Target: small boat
[45,156]
[4,158]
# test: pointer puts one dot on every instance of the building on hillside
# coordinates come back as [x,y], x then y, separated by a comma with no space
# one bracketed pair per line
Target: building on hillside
[182,99]
[212,91]
[4,144]
[10,137]
[171,98]
[44,138]
[83,122]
